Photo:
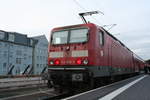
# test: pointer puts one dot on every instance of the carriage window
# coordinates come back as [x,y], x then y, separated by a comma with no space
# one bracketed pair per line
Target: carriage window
[60,37]
[78,35]
[101,39]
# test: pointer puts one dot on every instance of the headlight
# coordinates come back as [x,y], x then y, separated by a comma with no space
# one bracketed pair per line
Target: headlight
[85,61]
[51,62]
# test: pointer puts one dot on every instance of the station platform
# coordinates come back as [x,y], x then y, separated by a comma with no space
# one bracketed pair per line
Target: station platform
[23,81]
[135,88]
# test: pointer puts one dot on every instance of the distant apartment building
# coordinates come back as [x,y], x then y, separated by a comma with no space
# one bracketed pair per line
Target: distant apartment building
[17,54]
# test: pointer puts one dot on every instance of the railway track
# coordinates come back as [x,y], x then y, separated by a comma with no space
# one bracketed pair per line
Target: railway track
[32,96]
[33,93]
[57,97]
[47,94]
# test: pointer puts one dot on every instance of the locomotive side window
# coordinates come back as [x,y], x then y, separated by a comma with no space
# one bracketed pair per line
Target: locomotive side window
[60,37]
[101,38]
[78,35]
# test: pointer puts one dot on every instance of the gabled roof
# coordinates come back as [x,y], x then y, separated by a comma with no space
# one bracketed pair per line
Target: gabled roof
[40,37]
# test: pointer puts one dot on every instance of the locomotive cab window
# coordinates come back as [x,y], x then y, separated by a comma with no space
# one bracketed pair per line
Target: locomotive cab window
[60,37]
[76,35]
[101,38]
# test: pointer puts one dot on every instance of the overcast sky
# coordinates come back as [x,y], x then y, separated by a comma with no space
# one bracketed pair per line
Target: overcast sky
[37,17]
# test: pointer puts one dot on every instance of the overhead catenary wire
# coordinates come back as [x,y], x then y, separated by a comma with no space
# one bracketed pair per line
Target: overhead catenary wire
[111,26]
[79,5]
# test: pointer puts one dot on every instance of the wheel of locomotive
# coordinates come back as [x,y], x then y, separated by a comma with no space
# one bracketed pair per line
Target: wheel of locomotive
[97,82]
[58,89]
[94,83]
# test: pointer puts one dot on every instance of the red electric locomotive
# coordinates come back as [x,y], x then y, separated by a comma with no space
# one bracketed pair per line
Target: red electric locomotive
[85,54]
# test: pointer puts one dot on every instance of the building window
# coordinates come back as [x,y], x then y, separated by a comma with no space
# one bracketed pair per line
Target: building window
[38,57]
[1,45]
[19,52]
[2,35]
[4,65]
[25,58]
[11,45]
[6,44]
[29,57]
[5,53]
[44,65]
[37,65]
[11,37]
[11,54]
[40,65]
[25,54]
[31,42]
[18,60]
[39,50]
